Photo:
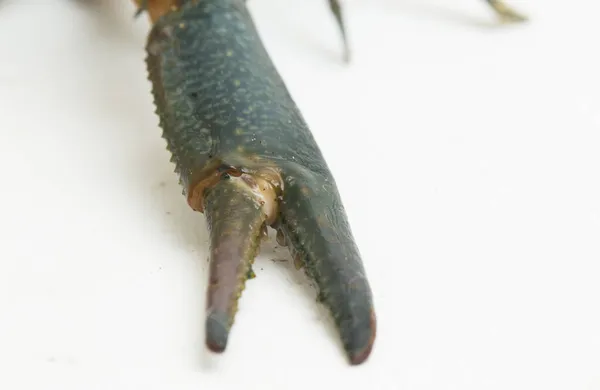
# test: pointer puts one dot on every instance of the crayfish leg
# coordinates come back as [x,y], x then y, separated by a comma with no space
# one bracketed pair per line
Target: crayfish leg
[336,9]
[506,13]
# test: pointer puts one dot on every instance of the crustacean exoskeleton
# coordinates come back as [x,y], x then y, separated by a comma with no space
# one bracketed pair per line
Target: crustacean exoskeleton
[247,160]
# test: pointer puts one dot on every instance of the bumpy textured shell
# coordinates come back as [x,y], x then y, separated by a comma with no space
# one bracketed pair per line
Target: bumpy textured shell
[218,94]
[221,101]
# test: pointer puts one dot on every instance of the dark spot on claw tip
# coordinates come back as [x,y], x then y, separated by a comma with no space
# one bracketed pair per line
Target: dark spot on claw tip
[360,356]
[216,348]
[216,332]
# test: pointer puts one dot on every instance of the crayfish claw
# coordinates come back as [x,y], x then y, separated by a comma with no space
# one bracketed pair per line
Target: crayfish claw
[247,160]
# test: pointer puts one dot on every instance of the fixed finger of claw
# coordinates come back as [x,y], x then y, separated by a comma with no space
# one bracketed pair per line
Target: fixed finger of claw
[246,158]
[314,222]
[236,216]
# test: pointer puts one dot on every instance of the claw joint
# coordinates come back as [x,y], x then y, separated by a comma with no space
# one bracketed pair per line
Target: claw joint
[264,186]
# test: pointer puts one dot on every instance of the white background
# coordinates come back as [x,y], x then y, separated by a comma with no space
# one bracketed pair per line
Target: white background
[467,155]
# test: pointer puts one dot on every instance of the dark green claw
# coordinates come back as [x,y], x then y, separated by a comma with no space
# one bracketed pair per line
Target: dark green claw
[246,158]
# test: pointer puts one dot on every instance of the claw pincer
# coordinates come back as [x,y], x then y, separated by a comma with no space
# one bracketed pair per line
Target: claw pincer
[247,160]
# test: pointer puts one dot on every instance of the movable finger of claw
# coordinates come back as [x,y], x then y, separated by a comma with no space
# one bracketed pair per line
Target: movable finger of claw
[235,221]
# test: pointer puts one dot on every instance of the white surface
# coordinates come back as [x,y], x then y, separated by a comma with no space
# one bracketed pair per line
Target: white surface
[467,156]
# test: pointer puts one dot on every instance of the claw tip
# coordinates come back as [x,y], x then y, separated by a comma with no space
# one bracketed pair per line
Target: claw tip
[359,356]
[216,333]
[214,347]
